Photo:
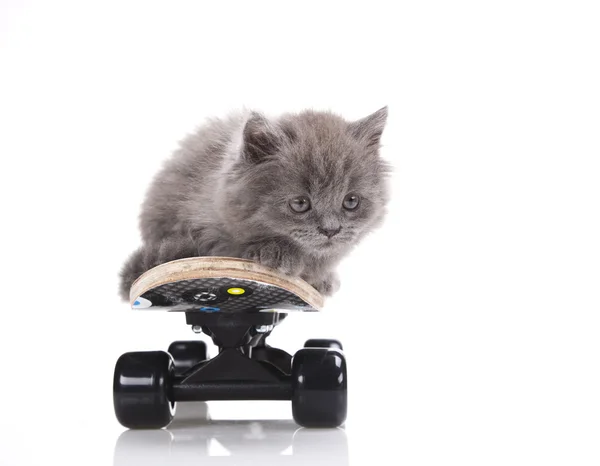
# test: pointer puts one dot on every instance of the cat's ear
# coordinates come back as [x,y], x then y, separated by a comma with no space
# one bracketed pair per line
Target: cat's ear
[261,138]
[370,129]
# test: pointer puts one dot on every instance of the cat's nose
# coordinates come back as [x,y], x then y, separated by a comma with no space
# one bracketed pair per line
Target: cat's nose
[329,232]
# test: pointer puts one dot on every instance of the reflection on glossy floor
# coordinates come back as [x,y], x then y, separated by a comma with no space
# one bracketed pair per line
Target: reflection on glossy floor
[193,438]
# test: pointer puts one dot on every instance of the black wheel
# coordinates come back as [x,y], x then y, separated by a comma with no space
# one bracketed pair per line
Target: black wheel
[141,387]
[186,354]
[323,343]
[319,387]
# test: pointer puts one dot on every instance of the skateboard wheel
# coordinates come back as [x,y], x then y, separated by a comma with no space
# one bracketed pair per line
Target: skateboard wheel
[323,343]
[319,387]
[141,388]
[186,354]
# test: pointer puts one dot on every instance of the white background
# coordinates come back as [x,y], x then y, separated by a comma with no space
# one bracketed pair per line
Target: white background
[470,320]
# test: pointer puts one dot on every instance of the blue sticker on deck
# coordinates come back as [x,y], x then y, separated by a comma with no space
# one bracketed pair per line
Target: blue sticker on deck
[141,303]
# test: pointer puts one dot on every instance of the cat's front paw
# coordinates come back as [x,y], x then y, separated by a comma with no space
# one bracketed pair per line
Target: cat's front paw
[326,286]
[275,256]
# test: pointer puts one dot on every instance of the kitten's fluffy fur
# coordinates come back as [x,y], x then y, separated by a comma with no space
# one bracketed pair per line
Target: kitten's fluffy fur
[227,190]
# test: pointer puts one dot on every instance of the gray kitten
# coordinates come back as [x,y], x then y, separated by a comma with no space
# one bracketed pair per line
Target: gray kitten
[295,194]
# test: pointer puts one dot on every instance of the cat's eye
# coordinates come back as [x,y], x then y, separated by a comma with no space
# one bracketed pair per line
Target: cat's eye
[300,204]
[351,202]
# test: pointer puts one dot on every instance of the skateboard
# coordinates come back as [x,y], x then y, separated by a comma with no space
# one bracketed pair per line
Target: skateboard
[237,303]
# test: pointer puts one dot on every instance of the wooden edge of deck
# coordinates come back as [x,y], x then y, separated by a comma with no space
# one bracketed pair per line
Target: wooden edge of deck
[213,266]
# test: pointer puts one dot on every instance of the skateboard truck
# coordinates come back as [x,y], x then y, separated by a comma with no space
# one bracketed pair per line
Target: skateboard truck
[238,372]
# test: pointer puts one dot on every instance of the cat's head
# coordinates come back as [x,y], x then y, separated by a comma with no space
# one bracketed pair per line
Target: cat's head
[312,177]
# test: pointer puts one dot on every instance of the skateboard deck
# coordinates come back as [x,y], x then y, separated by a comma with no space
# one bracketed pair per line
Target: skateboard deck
[221,284]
